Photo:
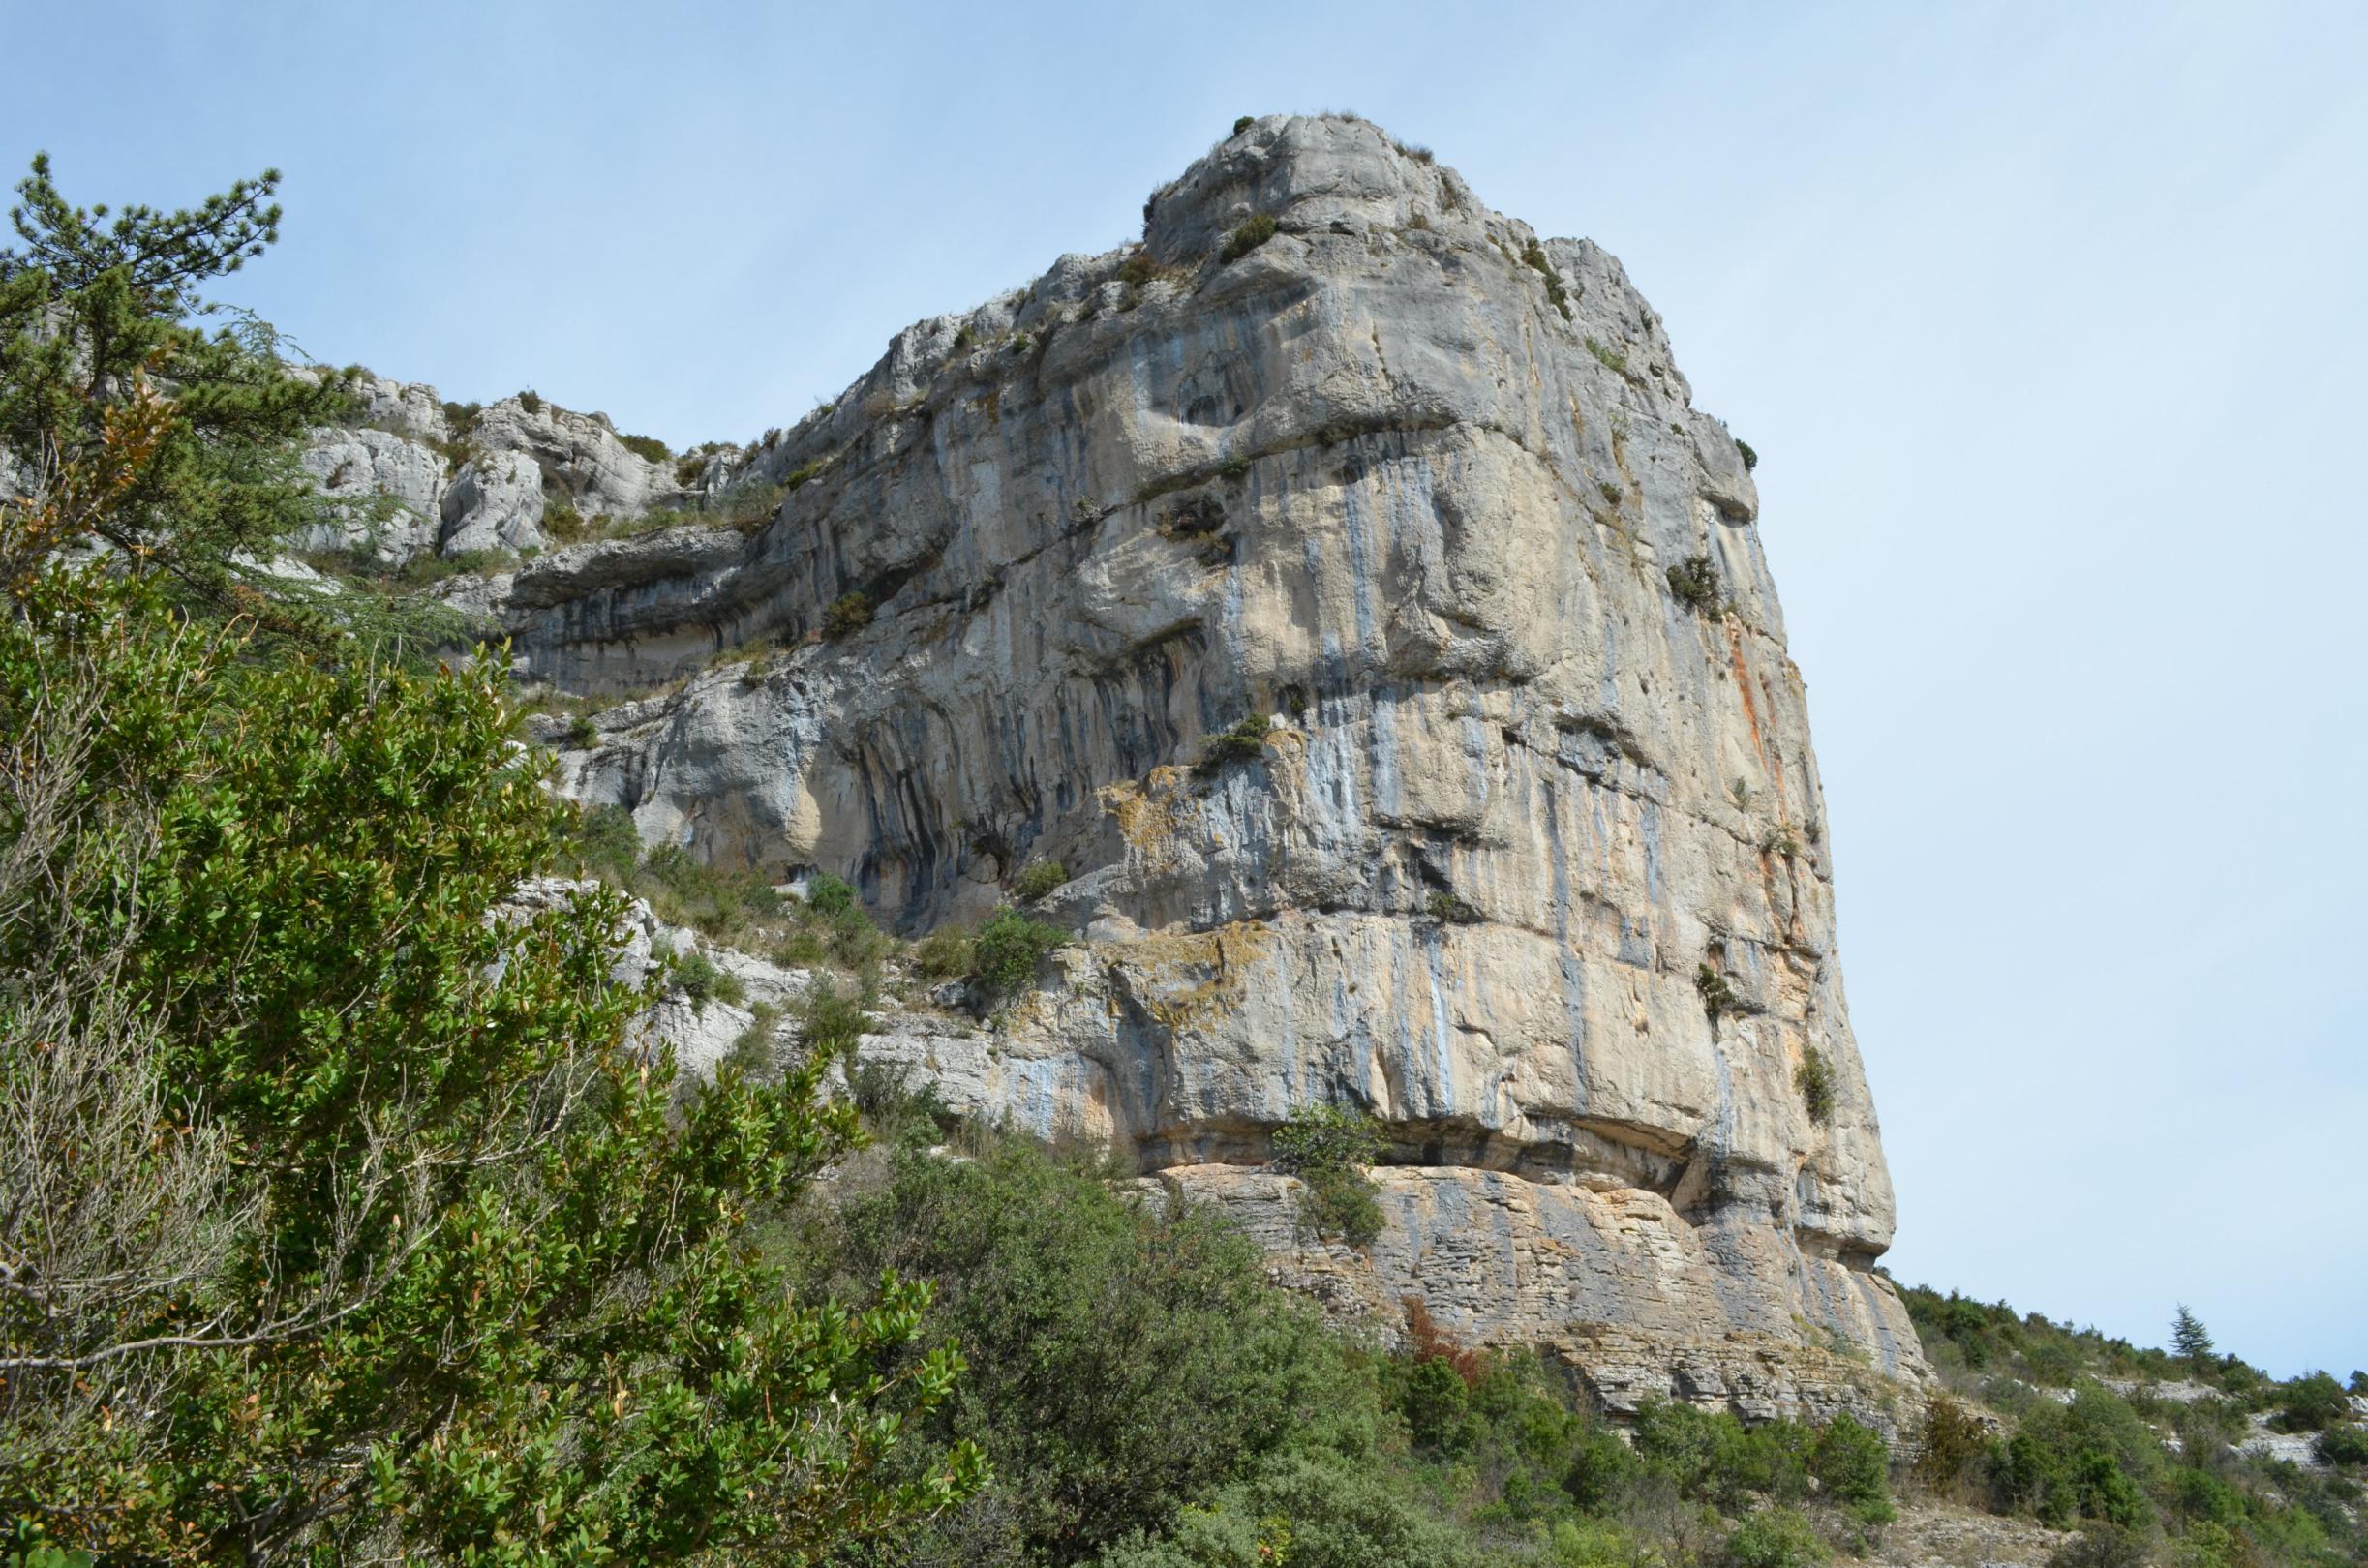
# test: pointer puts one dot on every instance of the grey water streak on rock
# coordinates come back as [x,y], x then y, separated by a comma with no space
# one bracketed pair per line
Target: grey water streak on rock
[1531,864]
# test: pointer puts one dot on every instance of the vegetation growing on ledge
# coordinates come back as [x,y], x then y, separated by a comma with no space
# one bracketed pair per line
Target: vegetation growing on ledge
[1257,232]
[1329,1147]
[1040,877]
[1813,1079]
[1245,741]
[1008,949]
[848,613]
[1694,580]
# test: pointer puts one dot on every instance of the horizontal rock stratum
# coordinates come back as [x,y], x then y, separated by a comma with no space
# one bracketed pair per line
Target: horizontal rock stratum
[1530,863]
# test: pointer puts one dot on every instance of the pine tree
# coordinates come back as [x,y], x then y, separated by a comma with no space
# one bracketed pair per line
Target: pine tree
[98,303]
[2189,1338]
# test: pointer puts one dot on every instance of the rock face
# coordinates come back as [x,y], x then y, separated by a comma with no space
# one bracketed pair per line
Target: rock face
[414,475]
[1529,863]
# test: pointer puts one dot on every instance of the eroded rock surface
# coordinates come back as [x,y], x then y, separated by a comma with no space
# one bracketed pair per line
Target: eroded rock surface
[1531,864]
[414,475]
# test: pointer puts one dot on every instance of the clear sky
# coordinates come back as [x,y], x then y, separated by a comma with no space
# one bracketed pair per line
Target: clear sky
[2049,322]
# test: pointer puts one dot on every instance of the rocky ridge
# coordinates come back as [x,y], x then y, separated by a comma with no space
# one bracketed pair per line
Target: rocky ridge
[1520,850]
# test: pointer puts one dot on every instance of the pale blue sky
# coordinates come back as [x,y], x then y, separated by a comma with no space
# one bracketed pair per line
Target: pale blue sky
[2049,328]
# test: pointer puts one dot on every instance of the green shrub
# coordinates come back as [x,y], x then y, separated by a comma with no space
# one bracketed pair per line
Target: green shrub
[1007,950]
[1815,1079]
[1775,1538]
[648,448]
[827,894]
[1247,238]
[1950,1445]
[848,613]
[1695,582]
[2310,1404]
[1851,1462]
[1124,1360]
[1557,295]
[1140,267]
[1751,459]
[698,977]
[1245,741]
[601,842]
[1244,123]
[1444,906]
[1610,358]
[753,1047]
[946,952]
[1717,996]
[1038,879]
[1329,1147]
[1436,1404]
[2343,1443]
[530,400]
[2101,1546]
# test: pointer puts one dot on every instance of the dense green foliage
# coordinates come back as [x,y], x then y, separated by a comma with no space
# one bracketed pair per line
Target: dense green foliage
[1327,1148]
[1253,233]
[345,1218]
[1008,949]
[1245,741]
[1037,879]
[1148,1399]
[2097,1460]
[1694,582]
[95,306]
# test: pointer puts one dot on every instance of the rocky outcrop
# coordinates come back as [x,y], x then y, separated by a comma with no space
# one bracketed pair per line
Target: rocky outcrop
[412,474]
[1528,860]
[494,502]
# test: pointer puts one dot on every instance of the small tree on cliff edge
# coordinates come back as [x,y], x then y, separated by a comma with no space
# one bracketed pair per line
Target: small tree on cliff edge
[2190,1341]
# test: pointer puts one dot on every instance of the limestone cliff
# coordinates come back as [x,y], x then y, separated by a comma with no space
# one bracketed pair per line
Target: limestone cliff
[1529,864]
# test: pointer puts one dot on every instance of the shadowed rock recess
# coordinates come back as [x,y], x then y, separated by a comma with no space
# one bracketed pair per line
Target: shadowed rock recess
[1531,864]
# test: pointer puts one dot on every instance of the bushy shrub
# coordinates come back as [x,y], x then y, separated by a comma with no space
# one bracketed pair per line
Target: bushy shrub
[648,448]
[2309,1403]
[1694,580]
[1950,1445]
[1814,1078]
[1717,996]
[1123,1360]
[1244,123]
[1714,1457]
[848,613]
[530,400]
[582,732]
[946,952]
[1851,1462]
[1557,295]
[698,977]
[1038,879]
[1247,238]
[1751,459]
[1775,1538]
[2101,1546]
[2343,1443]
[1008,949]
[1245,741]
[1327,1148]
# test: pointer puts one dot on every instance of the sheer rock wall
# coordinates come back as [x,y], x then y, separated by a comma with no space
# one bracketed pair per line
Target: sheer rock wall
[1531,864]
